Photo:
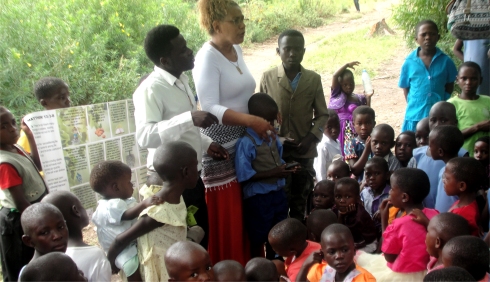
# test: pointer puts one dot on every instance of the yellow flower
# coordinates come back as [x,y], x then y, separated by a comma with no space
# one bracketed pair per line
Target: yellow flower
[78,43]
[117,14]
[69,66]
[49,25]
[29,65]
[71,52]
[21,21]
[127,34]
[163,5]
[123,31]
[101,3]
[17,55]
[45,8]
[121,25]
[143,25]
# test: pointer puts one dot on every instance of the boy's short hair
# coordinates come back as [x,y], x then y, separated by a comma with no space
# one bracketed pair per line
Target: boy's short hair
[261,269]
[318,220]
[449,225]
[332,114]
[340,164]
[290,32]
[45,87]
[34,212]
[364,110]
[412,181]
[470,253]
[351,182]
[171,157]
[470,64]
[260,104]
[106,172]
[450,273]
[410,134]
[289,231]
[468,170]
[329,184]
[385,128]
[448,137]
[55,266]
[424,123]
[424,22]
[485,139]
[157,42]
[228,270]
[337,229]
[379,162]
[179,254]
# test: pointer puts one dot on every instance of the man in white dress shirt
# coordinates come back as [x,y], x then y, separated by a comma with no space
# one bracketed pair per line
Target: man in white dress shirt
[165,109]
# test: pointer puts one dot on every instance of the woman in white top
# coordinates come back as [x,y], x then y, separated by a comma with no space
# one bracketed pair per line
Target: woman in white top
[224,85]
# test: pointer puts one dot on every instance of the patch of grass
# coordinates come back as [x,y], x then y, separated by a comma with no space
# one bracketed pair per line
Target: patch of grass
[352,46]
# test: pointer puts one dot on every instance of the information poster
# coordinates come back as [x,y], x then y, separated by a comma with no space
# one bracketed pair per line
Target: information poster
[72,141]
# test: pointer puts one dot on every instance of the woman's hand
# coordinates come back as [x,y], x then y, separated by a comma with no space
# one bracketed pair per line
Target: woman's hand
[217,152]
[262,127]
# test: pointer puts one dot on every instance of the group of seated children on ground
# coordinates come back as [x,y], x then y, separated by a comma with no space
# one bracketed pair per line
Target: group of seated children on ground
[413,214]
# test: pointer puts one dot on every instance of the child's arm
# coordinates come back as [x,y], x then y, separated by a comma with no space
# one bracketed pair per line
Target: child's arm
[133,212]
[384,209]
[313,258]
[335,78]
[357,165]
[458,49]
[32,144]
[21,203]
[144,225]
[481,126]
[405,93]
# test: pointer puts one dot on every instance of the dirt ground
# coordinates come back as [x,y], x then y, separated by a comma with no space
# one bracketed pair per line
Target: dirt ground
[388,101]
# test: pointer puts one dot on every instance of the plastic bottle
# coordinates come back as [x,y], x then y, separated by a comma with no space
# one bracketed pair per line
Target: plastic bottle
[366,82]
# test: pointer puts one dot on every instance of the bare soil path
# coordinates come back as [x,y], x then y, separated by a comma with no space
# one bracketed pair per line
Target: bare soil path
[388,101]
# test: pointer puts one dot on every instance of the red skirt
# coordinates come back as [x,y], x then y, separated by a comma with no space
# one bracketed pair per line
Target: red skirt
[227,237]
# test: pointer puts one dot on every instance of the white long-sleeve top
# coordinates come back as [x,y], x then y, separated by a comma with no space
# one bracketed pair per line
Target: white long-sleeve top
[328,150]
[163,105]
[219,84]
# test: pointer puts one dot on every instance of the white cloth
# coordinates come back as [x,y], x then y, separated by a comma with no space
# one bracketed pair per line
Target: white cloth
[233,90]
[328,150]
[163,106]
[92,261]
[107,218]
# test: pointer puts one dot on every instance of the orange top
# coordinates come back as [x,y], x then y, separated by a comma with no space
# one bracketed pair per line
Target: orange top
[316,272]
[392,214]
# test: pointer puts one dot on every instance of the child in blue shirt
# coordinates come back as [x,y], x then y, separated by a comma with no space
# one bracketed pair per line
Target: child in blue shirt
[262,174]
[427,75]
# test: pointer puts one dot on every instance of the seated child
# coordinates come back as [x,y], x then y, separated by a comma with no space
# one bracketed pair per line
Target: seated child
[335,260]
[377,188]
[451,273]
[288,239]
[440,113]
[337,170]
[20,185]
[52,93]
[472,110]
[382,140]
[55,266]
[462,178]
[442,228]
[89,259]
[352,214]
[117,211]
[328,148]
[422,132]
[323,195]
[404,145]
[445,141]
[358,150]
[344,101]
[44,229]
[229,270]
[481,150]
[403,242]
[188,261]
[467,252]
[160,226]
[262,173]
[317,222]
[261,269]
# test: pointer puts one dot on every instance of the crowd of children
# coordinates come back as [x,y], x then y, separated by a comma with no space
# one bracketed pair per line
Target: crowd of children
[410,207]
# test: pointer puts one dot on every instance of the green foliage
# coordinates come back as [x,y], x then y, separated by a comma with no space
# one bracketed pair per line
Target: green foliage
[409,12]
[96,45]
